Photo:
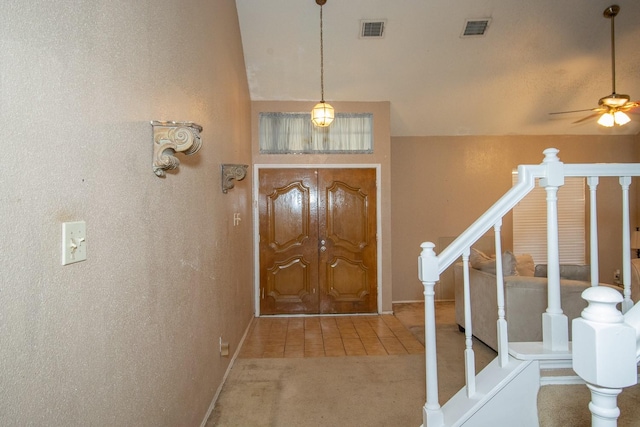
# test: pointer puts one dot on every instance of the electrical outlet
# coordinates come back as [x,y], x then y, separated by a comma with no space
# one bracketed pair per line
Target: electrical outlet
[616,277]
[74,242]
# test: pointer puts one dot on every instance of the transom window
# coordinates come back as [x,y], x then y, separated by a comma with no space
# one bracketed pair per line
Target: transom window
[293,133]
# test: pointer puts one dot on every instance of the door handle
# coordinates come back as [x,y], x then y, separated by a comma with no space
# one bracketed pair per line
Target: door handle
[323,248]
[322,242]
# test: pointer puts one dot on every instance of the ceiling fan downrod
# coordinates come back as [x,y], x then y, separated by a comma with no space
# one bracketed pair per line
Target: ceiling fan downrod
[610,13]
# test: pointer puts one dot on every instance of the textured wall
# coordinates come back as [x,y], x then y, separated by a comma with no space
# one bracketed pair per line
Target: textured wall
[453,180]
[130,336]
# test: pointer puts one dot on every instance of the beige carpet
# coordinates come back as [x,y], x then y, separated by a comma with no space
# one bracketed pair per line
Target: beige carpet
[379,390]
[568,406]
[346,391]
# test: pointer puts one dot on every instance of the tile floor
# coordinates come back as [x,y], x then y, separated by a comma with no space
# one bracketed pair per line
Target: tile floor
[328,336]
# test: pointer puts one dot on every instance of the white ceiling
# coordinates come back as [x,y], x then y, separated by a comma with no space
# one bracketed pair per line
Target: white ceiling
[537,57]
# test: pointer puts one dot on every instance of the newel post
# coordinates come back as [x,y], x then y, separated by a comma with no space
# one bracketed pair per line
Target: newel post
[428,274]
[604,353]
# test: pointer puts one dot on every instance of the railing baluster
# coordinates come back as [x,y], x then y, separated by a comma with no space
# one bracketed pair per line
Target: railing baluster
[503,339]
[593,233]
[625,182]
[469,356]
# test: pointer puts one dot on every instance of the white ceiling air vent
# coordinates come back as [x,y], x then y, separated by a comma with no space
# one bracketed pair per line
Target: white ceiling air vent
[372,29]
[475,27]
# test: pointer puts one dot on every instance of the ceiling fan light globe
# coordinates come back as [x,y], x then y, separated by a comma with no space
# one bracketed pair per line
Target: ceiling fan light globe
[606,120]
[621,118]
[322,114]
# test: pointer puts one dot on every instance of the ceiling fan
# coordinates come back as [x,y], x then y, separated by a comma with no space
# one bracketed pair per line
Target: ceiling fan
[612,108]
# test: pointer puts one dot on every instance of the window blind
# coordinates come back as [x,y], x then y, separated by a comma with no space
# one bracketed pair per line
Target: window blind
[530,223]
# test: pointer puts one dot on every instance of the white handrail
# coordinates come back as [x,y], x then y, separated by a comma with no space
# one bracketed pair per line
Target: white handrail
[526,182]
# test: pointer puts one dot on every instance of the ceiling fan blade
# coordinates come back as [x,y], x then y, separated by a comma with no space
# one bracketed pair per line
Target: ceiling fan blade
[579,111]
[572,111]
[584,119]
[630,105]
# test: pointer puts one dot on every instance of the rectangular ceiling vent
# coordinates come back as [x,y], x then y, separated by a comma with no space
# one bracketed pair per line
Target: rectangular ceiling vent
[475,27]
[372,29]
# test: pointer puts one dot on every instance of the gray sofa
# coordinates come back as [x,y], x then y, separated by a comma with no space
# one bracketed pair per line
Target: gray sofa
[525,301]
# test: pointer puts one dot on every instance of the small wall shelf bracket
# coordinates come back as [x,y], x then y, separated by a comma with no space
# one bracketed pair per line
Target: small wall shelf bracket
[231,172]
[170,138]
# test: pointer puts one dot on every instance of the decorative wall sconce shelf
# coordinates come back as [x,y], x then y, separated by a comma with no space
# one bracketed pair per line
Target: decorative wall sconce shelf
[170,138]
[231,172]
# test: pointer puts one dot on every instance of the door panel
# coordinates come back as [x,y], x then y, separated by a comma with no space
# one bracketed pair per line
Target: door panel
[346,221]
[318,241]
[288,241]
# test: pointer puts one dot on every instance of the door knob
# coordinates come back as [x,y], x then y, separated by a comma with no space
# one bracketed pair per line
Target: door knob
[323,248]
[322,242]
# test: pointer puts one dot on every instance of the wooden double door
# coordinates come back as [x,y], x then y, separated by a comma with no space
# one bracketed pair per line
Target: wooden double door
[318,244]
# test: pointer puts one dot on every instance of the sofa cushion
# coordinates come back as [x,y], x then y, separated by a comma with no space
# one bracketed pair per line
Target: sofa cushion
[483,262]
[567,271]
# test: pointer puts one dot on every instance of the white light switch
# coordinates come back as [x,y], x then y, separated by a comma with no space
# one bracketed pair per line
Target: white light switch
[74,242]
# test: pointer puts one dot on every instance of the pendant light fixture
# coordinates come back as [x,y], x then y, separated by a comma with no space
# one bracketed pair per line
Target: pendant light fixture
[322,114]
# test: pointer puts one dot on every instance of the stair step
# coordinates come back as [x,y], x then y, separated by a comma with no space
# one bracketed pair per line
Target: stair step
[489,383]
[536,351]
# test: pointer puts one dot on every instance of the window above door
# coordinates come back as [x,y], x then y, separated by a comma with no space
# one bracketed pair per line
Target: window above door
[293,133]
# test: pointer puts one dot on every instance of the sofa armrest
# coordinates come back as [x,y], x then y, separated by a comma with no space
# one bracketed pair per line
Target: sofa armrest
[484,310]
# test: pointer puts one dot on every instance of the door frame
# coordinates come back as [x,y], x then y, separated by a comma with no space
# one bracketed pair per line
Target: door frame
[256,220]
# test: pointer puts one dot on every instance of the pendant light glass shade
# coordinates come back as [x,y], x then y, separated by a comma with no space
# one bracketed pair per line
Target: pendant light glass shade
[606,120]
[621,118]
[616,118]
[322,114]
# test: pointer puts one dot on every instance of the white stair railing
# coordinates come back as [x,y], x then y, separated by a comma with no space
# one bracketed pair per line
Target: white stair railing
[551,173]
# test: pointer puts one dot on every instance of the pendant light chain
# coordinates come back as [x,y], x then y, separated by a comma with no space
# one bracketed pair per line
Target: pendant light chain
[322,114]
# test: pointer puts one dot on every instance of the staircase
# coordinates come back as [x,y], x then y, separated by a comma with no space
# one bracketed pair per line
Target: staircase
[605,350]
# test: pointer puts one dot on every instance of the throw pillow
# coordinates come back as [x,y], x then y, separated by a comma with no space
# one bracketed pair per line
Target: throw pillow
[509,264]
[525,265]
[481,261]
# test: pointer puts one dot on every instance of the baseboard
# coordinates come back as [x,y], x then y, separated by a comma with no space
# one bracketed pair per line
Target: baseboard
[421,301]
[561,380]
[226,374]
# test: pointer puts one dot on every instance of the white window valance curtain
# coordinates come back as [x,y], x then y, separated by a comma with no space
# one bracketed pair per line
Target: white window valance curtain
[294,133]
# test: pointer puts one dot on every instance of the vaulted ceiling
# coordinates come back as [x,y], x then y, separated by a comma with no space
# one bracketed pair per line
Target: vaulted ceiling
[536,57]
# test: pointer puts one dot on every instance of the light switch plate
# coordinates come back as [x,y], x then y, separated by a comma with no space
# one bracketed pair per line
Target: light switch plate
[74,242]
